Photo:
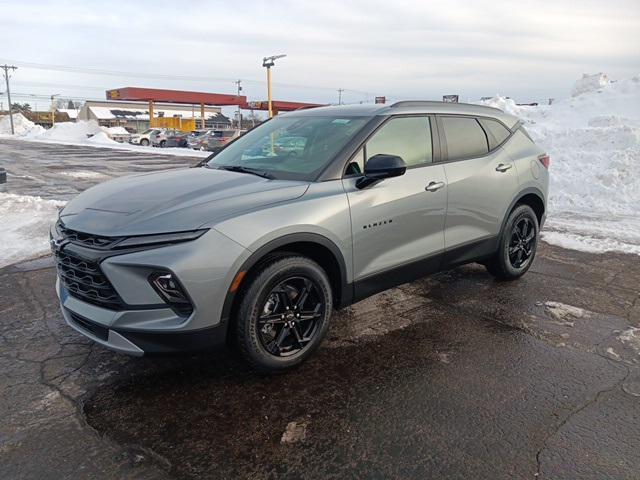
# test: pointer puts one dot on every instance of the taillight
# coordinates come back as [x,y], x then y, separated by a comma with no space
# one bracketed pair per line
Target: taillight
[545,160]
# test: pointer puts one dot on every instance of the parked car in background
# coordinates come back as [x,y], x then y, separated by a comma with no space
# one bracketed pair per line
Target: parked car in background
[291,146]
[194,138]
[176,139]
[201,141]
[159,139]
[220,138]
[144,138]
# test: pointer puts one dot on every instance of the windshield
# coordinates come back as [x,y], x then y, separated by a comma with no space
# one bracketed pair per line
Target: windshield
[290,148]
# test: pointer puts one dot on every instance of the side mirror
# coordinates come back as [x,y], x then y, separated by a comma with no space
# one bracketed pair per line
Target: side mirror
[379,167]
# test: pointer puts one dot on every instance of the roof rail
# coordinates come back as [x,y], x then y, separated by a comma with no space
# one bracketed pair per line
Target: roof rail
[431,103]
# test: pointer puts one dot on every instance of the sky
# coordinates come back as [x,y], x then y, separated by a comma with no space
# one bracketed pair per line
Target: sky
[529,50]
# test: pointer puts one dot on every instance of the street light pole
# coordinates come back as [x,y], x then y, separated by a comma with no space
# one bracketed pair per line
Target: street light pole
[53,109]
[239,114]
[340,90]
[269,62]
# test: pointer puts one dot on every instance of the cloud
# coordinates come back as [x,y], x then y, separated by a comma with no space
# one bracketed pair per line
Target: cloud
[403,49]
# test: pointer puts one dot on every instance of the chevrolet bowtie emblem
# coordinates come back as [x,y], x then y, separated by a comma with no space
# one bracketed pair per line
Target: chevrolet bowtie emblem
[57,244]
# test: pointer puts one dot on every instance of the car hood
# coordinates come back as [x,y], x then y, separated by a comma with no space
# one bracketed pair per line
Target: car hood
[172,201]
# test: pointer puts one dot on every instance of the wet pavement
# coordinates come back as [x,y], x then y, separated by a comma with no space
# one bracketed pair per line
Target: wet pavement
[453,376]
[60,172]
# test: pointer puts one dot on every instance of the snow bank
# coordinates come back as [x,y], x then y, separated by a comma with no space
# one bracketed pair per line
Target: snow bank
[25,226]
[82,132]
[589,83]
[68,132]
[593,139]
[21,124]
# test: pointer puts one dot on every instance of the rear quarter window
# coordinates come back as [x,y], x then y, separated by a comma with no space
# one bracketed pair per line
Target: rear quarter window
[496,132]
[465,138]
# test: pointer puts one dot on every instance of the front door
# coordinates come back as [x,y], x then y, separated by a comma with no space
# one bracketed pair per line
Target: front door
[397,224]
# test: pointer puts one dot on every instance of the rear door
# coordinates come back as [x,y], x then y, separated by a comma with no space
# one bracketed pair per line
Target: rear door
[482,180]
[397,224]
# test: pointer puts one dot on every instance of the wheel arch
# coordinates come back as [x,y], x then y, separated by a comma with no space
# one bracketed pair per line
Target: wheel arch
[315,246]
[532,197]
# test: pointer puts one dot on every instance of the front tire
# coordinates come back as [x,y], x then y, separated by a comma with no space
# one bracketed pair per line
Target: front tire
[144,142]
[284,313]
[518,244]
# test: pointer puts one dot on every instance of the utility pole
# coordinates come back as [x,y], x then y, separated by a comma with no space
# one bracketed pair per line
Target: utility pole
[6,69]
[340,90]
[238,114]
[269,62]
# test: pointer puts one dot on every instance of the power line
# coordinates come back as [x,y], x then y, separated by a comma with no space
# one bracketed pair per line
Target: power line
[6,69]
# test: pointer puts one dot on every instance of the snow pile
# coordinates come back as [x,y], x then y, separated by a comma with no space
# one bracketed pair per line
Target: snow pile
[589,83]
[82,132]
[593,139]
[68,132]
[100,138]
[25,226]
[115,130]
[21,125]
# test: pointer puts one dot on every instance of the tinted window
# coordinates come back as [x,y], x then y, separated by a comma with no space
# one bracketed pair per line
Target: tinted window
[496,132]
[465,138]
[408,137]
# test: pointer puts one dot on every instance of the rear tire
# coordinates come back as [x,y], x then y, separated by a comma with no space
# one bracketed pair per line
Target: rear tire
[517,246]
[284,313]
[144,142]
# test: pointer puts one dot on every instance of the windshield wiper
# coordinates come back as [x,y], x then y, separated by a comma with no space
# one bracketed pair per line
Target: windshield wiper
[252,171]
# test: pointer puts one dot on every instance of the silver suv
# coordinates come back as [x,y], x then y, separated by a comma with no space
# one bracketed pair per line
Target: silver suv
[259,245]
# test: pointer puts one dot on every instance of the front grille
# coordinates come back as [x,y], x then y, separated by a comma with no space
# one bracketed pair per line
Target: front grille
[86,239]
[85,281]
[97,330]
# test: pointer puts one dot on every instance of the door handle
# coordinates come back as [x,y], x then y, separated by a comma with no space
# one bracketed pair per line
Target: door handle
[433,186]
[503,167]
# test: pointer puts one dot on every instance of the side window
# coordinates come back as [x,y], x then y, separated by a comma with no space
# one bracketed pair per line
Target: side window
[407,137]
[496,132]
[465,138]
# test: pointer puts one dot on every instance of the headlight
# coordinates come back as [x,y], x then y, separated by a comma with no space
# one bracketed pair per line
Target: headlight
[164,238]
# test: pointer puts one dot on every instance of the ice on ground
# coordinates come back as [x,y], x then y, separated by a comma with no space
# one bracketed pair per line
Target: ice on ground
[25,226]
[83,174]
[562,311]
[631,337]
[593,139]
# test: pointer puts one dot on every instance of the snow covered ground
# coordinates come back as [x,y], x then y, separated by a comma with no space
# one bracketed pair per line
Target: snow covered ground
[593,138]
[25,221]
[80,133]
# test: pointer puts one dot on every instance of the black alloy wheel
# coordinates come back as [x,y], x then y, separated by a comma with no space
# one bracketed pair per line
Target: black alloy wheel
[522,241]
[517,245]
[291,316]
[284,312]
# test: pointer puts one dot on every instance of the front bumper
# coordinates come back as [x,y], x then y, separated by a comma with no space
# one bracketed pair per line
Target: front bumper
[137,342]
[144,323]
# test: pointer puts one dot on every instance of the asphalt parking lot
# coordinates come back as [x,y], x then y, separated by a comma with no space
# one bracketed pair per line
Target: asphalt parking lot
[453,376]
